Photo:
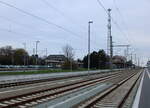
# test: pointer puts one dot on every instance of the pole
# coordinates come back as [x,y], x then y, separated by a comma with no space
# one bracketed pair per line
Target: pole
[127,51]
[36,47]
[24,54]
[125,59]
[46,52]
[12,57]
[132,59]
[138,62]
[111,47]
[135,60]
[71,65]
[34,51]
[89,45]
[109,39]
[46,56]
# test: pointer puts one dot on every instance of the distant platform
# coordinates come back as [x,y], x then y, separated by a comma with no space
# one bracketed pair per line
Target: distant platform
[50,75]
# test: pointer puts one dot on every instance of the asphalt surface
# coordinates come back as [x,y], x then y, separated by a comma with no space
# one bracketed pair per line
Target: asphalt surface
[145,92]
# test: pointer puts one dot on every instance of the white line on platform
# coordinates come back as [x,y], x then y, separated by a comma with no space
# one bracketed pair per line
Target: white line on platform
[137,98]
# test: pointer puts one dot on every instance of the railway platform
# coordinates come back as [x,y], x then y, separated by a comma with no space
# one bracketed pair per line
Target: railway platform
[142,99]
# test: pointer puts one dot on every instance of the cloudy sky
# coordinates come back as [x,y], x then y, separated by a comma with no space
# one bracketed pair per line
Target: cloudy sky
[37,19]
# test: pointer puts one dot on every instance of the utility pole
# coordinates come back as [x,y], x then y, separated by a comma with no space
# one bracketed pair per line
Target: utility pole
[138,62]
[132,60]
[34,51]
[127,51]
[36,47]
[89,33]
[109,39]
[24,54]
[135,59]
[46,56]
[46,52]
[34,60]
[71,65]
[12,57]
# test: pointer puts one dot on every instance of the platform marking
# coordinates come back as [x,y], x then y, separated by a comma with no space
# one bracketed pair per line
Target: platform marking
[137,98]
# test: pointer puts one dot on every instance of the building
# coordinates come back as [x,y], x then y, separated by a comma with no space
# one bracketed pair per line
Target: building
[55,61]
[119,61]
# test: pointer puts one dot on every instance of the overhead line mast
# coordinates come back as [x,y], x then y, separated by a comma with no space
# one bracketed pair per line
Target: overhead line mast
[109,38]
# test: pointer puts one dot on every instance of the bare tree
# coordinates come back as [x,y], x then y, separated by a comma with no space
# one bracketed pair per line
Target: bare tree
[68,52]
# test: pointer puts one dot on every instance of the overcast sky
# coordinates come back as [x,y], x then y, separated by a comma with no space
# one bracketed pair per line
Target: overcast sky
[133,18]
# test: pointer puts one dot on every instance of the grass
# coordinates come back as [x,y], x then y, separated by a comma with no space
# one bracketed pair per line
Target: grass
[39,72]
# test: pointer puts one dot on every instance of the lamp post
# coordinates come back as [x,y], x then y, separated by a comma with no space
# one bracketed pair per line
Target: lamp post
[89,33]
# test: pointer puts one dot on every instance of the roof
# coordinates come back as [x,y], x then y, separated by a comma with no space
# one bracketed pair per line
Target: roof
[56,57]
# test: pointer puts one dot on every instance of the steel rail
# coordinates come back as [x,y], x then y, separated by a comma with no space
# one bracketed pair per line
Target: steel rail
[96,99]
[87,83]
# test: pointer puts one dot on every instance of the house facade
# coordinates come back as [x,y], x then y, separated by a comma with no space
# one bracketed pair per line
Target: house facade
[55,61]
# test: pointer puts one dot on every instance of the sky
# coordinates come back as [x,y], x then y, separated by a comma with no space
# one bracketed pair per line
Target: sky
[56,23]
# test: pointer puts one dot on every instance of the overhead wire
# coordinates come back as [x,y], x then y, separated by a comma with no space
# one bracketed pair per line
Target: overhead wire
[115,23]
[121,16]
[100,3]
[123,21]
[19,24]
[44,20]
[39,18]
[63,14]
[15,22]
[54,8]
[117,8]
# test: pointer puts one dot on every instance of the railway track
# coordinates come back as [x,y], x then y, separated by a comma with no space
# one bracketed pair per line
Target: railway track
[6,84]
[35,97]
[114,97]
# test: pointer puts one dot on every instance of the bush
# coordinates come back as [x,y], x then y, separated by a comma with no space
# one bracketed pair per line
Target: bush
[68,65]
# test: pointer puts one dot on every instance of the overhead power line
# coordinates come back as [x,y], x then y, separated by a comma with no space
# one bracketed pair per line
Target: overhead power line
[21,24]
[121,15]
[115,23]
[100,3]
[64,15]
[54,8]
[39,18]
[114,1]
[60,12]
[18,23]
[119,28]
